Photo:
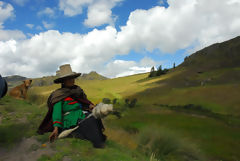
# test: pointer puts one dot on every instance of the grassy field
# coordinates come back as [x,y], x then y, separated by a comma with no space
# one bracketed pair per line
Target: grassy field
[152,130]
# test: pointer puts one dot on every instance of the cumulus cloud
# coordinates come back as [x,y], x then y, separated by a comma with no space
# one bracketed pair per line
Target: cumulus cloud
[120,68]
[11,34]
[6,12]
[30,25]
[161,2]
[20,2]
[73,7]
[99,11]
[47,12]
[39,27]
[182,24]
[47,25]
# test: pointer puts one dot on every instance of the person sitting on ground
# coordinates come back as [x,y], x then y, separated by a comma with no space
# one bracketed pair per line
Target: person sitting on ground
[68,107]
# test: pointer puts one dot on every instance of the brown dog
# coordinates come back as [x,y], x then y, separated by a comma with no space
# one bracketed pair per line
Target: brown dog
[20,92]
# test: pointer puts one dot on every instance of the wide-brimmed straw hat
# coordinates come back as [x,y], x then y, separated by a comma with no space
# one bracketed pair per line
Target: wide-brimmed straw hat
[64,73]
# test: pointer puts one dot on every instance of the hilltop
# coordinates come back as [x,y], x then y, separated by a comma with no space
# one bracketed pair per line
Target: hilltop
[216,56]
[15,80]
[92,76]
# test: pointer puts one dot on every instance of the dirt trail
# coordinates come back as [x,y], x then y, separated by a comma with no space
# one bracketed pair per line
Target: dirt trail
[29,149]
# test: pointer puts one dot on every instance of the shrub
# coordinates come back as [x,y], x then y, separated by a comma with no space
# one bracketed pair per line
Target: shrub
[114,101]
[166,144]
[133,103]
[106,100]
[127,101]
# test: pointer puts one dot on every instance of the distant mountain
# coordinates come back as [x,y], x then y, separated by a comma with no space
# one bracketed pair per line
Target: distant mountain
[48,80]
[92,76]
[14,80]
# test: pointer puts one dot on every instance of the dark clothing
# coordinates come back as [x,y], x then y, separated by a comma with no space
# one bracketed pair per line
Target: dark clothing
[3,87]
[90,129]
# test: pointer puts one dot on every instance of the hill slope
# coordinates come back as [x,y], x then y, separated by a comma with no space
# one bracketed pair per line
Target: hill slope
[194,113]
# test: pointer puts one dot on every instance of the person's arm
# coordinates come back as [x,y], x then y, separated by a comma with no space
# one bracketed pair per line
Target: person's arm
[57,120]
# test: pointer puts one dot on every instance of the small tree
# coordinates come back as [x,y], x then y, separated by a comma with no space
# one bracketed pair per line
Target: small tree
[152,72]
[159,71]
[174,65]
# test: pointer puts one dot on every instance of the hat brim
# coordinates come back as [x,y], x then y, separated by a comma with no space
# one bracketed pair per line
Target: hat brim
[70,76]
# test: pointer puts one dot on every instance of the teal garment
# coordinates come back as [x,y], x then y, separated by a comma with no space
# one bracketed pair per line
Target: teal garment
[66,113]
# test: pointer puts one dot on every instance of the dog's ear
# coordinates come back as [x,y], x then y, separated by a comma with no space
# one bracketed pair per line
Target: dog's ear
[30,80]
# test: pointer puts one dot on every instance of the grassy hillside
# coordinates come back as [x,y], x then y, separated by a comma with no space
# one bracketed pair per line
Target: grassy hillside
[190,113]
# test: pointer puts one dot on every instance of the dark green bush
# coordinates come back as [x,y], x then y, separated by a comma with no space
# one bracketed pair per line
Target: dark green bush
[127,101]
[133,103]
[114,101]
[106,100]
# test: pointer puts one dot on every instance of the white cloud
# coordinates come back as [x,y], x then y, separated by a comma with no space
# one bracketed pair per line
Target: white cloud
[11,34]
[39,27]
[99,11]
[20,2]
[180,26]
[6,12]
[161,2]
[30,25]
[120,68]
[73,7]
[47,25]
[47,11]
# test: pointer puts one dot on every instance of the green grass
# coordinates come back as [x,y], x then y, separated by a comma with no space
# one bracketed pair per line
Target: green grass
[83,151]
[214,139]
[186,134]
[19,119]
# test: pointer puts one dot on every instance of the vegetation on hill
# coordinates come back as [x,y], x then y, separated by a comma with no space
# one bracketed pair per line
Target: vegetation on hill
[190,113]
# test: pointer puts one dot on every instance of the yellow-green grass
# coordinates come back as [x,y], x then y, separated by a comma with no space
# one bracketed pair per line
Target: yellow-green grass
[222,99]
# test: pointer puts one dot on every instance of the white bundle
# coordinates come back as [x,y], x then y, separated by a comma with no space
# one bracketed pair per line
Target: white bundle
[99,111]
[102,110]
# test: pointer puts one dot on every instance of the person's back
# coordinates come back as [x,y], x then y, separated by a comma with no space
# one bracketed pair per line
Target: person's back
[3,87]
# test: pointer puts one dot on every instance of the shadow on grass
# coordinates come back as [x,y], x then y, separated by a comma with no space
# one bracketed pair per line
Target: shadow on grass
[229,120]
[12,134]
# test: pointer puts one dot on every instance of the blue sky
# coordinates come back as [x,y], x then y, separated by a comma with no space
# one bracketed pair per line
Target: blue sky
[112,37]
